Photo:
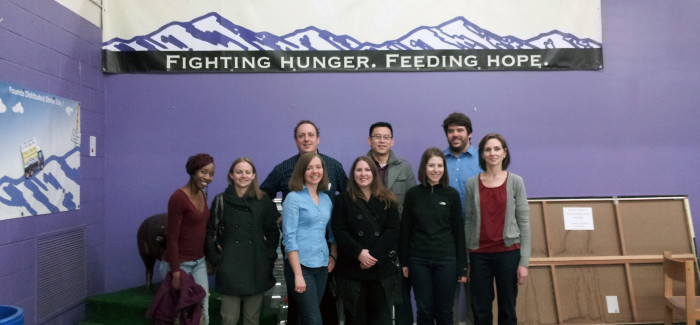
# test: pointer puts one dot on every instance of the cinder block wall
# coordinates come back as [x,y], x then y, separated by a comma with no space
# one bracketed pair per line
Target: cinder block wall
[46,47]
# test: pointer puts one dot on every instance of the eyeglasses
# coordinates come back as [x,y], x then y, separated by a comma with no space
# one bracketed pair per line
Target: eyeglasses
[379,137]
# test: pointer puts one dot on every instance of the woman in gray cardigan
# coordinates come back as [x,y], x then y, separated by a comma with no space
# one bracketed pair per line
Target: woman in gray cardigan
[497,231]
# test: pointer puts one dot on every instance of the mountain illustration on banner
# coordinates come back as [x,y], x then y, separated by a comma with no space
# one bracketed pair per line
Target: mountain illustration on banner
[213,32]
[51,195]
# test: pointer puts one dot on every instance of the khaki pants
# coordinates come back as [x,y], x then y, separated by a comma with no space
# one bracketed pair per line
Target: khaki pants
[231,309]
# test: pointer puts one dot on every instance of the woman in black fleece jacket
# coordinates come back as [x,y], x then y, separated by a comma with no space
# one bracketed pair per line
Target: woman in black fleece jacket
[431,245]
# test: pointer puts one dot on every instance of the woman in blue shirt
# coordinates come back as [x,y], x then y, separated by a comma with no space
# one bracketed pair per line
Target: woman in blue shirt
[306,212]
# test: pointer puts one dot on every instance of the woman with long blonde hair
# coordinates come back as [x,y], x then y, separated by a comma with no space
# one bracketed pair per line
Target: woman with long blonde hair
[242,240]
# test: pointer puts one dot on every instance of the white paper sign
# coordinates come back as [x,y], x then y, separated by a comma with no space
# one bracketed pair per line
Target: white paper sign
[613,307]
[93,146]
[578,218]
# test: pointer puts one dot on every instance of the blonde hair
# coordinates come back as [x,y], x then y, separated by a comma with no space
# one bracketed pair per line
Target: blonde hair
[253,190]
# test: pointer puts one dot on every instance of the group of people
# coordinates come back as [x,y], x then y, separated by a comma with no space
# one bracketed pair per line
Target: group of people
[364,239]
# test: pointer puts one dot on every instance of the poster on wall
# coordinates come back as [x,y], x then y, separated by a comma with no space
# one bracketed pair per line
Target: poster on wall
[40,152]
[181,36]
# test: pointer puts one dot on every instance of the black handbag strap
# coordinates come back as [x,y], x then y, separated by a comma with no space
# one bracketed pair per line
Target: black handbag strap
[218,215]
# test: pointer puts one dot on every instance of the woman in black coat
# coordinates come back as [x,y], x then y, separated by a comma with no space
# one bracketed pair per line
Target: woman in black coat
[242,240]
[365,223]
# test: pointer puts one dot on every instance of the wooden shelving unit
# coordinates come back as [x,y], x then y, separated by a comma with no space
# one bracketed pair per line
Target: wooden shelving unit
[574,273]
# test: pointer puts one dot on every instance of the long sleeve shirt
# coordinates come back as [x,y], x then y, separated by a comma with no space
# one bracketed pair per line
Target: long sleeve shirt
[461,168]
[432,225]
[517,217]
[186,230]
[304,225]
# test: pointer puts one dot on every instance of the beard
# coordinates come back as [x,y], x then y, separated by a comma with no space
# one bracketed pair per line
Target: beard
[459,149]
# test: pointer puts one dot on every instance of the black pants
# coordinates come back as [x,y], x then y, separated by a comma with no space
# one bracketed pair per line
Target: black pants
[372,307]
[503,268]
[403,313]
[329,309]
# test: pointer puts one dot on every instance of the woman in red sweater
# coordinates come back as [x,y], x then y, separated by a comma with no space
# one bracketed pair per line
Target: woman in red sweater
[188,214]
[497,229]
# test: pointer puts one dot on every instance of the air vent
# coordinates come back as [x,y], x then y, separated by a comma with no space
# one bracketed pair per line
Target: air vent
[61,273]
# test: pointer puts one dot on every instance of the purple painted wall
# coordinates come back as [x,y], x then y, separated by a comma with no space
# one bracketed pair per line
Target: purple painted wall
[629,129]
[626,130]
[46,47]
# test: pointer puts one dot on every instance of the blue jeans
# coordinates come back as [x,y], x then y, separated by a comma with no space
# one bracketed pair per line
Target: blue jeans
[198,269]
[308,302]
[434,281]
[503,267]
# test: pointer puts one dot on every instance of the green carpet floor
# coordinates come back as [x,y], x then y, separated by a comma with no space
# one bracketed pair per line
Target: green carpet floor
[129,307]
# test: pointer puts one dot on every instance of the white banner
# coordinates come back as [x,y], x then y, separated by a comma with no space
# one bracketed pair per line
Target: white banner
[345,35]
